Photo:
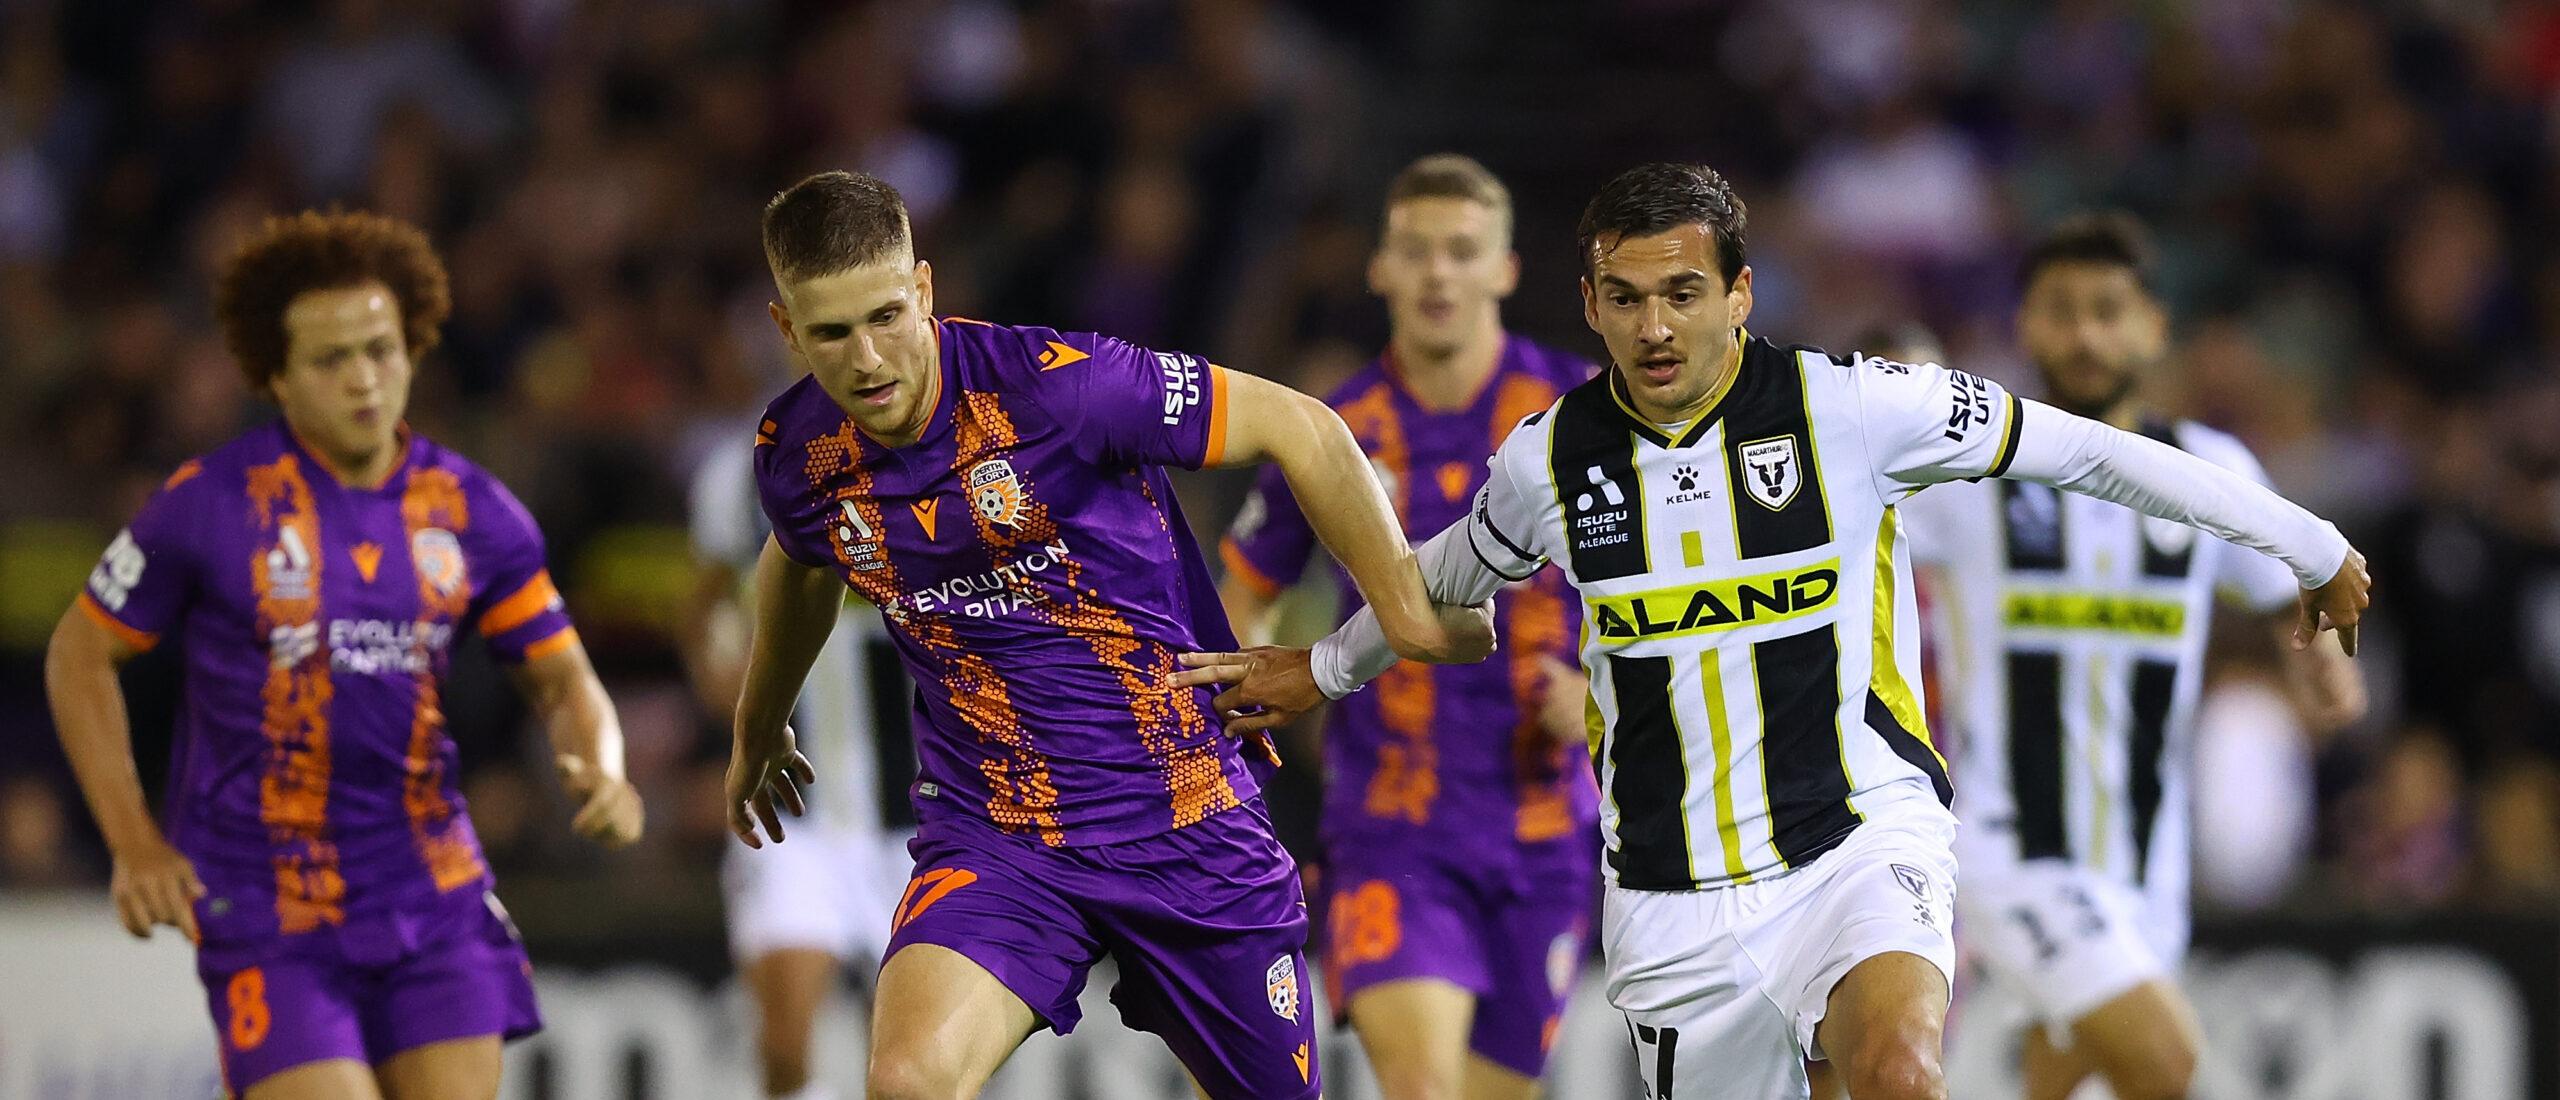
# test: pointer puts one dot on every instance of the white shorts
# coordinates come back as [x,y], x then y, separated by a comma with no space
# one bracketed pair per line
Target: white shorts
[2064,938]
[822,888]
[1723,988]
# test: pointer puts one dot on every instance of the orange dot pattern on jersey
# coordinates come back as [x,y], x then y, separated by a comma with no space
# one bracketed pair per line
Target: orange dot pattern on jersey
[293,788]
[1407,782]
[434,501]
[1367,924]
[1535,625]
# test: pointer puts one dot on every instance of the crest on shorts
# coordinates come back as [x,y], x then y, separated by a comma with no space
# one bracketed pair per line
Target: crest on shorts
[1912,879]
[438,556]
[1772,470]
[1281,982]
[997,493]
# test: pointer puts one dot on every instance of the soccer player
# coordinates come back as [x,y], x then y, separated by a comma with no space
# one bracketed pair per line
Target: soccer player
[1000,494]
[1459,859]
[2077,632]
[317,571]
[798,913]
[1778,838]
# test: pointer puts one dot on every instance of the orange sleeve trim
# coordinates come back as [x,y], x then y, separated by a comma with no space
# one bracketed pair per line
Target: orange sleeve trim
[533,599]
[1217,416]
[140,641]
[568,636]
[1243,569]
[185,472]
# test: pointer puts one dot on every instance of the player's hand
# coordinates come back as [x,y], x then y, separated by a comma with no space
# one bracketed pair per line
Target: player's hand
[1560,709]
[1278,679]
[2338,604]
[765,777]
[153,885]
[609,809]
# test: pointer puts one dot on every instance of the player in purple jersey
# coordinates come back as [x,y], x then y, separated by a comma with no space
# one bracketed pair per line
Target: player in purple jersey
[316,572]
[1460,819]
[1000,494]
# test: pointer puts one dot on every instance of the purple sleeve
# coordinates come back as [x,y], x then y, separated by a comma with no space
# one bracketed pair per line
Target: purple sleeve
[1125,404]
[519,609]
[799,526]
[1268,545]
[147,577]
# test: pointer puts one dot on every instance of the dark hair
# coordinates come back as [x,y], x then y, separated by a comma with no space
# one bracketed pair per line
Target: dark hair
[2110,238]
[1452,176]
[1650,198]
[830,222]
[291,256]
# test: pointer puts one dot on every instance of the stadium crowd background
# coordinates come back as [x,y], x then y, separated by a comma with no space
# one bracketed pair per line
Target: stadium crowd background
[2355,203]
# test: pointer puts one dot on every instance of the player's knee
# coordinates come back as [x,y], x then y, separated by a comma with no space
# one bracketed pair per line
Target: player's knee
[1895,1069]
[786,1068]
[1412,1080]
[899,1075]
[2163,1073]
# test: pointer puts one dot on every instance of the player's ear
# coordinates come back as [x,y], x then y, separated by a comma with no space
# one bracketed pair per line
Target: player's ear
[1377,271]
[1590,306]
[1740,295]
[782,320]
[1510,275]
[924,286]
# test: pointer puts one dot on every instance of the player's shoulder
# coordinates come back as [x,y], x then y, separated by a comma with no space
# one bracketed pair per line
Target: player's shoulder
[2212,445]
[1370,382]
[224,469]
[1562,368]
[992,357]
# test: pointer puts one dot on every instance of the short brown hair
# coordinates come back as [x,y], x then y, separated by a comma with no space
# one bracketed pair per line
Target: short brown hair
[830,222]
[291,256]
[2107,238]
[1452,176]
[1650,198]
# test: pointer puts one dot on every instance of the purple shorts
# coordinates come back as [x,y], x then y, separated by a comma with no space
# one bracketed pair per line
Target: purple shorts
[367,992]
[1514,936]
[1207,923]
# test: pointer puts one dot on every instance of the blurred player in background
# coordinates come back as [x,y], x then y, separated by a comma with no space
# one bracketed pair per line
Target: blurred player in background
[1779,841]
[2075,644]
[798,913]
[1460,863]
[317,571]
[1000,494]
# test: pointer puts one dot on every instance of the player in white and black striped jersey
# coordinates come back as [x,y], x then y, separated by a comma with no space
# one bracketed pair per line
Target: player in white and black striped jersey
[2073,632]
[799,913]
[1779,848]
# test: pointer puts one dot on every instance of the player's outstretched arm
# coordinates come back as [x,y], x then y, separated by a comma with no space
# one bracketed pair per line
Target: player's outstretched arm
[153,883]
[2084,456]
[1331,478]
[586,743]
[796,607]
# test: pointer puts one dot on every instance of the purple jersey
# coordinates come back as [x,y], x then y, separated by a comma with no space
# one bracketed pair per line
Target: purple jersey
[1440,750]
[1036,574]
[314,780]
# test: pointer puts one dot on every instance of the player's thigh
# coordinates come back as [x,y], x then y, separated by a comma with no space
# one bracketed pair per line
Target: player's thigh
[942,1024]
[1534,946]
[327,1079]
[469,987]
[2144,1041]
[790,987]
[1486,1079]
[1697,1012]
[2064,939]
[1865,931]
[2047,1071]
[1415,1032]
[455,1069]
[1886,1022]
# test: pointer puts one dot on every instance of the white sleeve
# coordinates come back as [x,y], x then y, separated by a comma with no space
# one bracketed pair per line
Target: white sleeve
[1463,565]
[1926,424]
[2156,479]
[2259,582]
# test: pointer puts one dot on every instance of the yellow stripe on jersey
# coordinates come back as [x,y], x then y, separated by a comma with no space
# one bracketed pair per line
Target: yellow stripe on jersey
[1886,677]
[1693,551]
[1720,731]
[2110,612]
[1686,610]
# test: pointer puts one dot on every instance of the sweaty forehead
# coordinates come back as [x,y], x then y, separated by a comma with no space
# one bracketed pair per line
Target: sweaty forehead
[2078,279]
[1657,257]
[851,293]
[342,313]
[1441,216]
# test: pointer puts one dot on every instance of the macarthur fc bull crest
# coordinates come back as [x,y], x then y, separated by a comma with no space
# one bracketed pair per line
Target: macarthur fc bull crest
[1772,471]
[997,493]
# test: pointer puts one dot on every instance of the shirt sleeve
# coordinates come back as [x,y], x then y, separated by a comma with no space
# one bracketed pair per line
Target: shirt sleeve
[1501,530]
[1270,542]
[797,519]
[1927,424]
[1124,404]
[148,576]
[2156,479]
[519,610]
[2259,582]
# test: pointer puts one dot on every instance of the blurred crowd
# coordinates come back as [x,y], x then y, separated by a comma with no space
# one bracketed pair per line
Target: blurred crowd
[2354,201]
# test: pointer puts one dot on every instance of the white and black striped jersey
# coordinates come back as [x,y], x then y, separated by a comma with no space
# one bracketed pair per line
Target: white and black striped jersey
[2073,632]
